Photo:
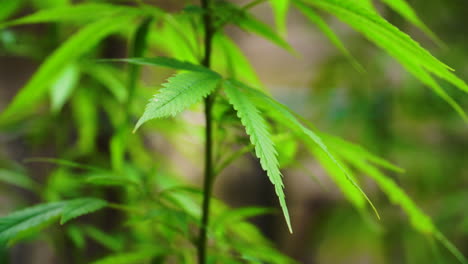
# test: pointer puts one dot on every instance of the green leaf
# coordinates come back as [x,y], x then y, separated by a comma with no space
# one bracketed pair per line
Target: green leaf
[168,63]
[415,59]
[73,48]
[418,218]
[112,242]
[250,24]
[62,89]
[313,17]
[72,13]
[80,207]
[283,115]
[280,9]
[232,216]
[8,8]
[257,128]
[109,77]
[236,63]
[110,180]
[179,93]
[405,10]
[17,223]
[30,219]
[130,257]
[17,178]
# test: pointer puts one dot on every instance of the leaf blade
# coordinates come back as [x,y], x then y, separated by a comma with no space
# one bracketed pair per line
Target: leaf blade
[257,129]
[179,93]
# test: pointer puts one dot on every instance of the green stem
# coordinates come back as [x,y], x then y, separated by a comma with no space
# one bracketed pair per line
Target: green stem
[208,180]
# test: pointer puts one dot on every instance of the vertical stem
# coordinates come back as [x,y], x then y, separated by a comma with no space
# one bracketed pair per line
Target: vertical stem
[208,180]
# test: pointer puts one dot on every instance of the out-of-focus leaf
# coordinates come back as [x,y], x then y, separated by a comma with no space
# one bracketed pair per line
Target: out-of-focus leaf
[415,59]
[236,63]
[81,207]
[230,217]
[418,218]
[74,47]
[179,93]
[168,63]
[62,89]
[17,223]
[85,114]
[280,9]
[112,242]
[74,13]
[17,179]
[8,8]
[136,257]
[327,31]
[405,10]
[109,78]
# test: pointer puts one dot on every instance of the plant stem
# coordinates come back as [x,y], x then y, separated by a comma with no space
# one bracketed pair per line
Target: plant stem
[208,180]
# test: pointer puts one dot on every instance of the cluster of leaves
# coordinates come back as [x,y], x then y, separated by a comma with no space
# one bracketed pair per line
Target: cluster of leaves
[162,213]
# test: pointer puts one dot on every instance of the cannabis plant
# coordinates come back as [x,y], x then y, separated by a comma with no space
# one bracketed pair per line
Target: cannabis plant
[160,218]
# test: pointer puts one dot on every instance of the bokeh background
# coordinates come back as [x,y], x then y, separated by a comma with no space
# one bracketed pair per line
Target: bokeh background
[383,109]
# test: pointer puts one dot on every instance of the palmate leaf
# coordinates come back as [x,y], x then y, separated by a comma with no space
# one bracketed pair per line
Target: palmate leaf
[256,127]
[74,47]
[33,218]
[408,52]
[180,92]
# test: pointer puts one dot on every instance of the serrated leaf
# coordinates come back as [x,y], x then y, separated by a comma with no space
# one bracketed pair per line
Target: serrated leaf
[256,127]
[79,207]
[73,48]
[415,59]
[168,63]
[179,93]
[284,116]
[16,223]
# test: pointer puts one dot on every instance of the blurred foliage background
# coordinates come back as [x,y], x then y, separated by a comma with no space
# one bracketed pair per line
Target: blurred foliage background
[383,108]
